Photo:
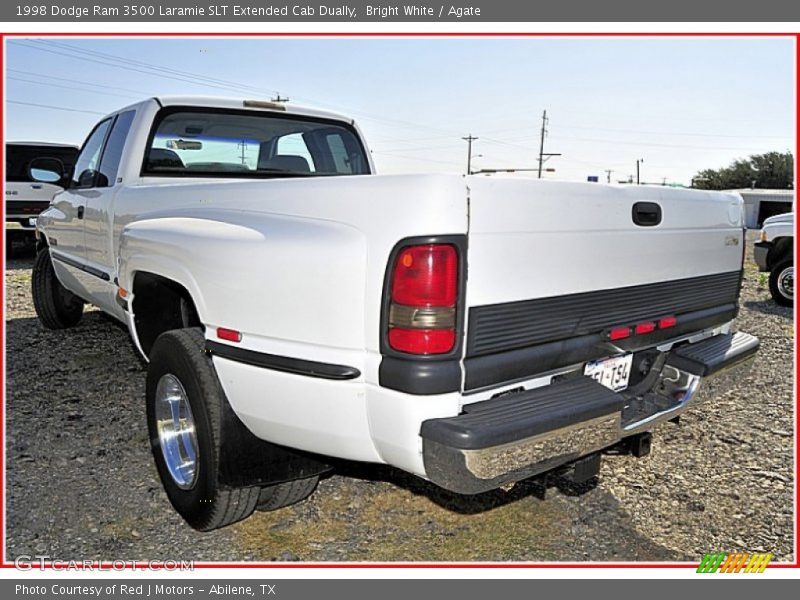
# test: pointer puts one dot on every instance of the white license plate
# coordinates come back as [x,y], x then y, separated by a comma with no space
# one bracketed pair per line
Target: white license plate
[611,372]
[32,222]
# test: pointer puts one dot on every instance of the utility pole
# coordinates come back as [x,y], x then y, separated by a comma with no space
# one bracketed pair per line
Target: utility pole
[278,98]
[638,161]
[609,172]
[243,146]
[543,156]
[469,139]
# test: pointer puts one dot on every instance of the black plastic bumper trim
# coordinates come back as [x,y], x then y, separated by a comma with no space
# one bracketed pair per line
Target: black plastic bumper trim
[522,415]
[516,365]
[83,267]
[309,368]
[714,354]
[420,377]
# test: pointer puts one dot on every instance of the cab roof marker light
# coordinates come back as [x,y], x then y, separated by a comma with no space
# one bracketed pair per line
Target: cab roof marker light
[263,104]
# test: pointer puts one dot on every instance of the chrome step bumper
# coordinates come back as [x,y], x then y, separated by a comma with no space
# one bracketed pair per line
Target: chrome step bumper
[513,437]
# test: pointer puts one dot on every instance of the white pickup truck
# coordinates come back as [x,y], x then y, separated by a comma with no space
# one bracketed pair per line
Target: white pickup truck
[33,176]
[774,253]
[293,306]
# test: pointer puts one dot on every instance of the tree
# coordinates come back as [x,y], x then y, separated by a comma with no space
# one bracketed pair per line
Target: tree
[773,170]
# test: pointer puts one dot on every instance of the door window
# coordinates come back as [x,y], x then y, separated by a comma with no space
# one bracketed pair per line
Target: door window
[86,165]
[109,163]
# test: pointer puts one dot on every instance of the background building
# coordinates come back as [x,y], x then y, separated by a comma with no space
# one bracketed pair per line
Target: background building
[760,204]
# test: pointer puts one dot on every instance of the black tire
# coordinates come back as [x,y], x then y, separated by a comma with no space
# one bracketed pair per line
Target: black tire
[280,495]
[207,505]
[56,306]
[781,292]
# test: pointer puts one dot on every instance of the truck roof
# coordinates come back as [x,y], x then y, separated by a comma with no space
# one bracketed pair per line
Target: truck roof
[250,104]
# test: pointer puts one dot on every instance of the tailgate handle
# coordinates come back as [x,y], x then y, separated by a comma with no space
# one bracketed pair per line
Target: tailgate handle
[646,214]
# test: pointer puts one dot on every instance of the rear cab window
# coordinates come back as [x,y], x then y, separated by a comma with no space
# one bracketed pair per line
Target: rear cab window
[204,142]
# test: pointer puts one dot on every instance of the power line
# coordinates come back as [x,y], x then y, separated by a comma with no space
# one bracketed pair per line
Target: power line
[66,87]
[111,60]
[49,77]
[91,112]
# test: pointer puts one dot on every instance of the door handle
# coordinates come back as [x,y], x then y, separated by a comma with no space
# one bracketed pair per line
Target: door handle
[80,212]
[646,214]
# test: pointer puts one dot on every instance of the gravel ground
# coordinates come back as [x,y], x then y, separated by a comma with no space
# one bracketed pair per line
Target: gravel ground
[81,483]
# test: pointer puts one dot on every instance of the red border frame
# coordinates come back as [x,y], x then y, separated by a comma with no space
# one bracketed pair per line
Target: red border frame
[517,34]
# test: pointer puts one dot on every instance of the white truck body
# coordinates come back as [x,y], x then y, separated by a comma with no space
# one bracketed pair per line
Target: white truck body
[774,254]
[298,268]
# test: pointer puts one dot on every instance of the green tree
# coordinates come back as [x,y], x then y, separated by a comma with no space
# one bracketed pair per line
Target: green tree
[773,170]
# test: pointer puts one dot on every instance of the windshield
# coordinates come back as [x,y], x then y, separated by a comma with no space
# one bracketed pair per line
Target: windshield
[215,143]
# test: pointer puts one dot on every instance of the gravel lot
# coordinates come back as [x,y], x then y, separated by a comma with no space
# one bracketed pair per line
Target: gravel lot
[81,483]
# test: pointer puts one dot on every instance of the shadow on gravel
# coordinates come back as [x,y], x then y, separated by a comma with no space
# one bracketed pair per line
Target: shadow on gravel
[535,487]
[768,307]
[20,263]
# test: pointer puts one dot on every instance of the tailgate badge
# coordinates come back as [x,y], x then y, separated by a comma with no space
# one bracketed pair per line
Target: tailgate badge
[731,240]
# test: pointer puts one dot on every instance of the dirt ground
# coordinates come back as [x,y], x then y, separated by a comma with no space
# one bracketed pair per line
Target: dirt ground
[81,483]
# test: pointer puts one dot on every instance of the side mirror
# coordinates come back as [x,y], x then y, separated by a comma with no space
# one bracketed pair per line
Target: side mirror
[46,170]
[86,178]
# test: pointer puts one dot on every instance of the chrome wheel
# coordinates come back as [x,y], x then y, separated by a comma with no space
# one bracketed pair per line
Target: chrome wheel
[176,431]
[786,282]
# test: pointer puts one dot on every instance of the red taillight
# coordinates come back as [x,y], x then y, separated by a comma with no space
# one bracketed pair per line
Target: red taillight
[426,276]
[643,328]
[667,322]
[619,333]
[422,341]
[424,292]
[229,335]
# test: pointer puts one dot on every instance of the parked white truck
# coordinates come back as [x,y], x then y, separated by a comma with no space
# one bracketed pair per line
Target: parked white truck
[774,254]
[294,306]
[33,177]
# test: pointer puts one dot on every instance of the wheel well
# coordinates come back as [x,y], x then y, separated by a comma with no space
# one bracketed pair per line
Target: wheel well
[159,305]
[41,242]
[781,248]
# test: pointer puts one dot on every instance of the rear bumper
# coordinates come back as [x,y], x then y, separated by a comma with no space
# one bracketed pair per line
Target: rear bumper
[512,437]
[760,254]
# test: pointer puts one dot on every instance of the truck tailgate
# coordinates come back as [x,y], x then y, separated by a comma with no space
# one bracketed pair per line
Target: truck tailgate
[552,265]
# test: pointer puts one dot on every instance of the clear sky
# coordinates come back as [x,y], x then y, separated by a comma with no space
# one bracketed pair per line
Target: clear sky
[681,104]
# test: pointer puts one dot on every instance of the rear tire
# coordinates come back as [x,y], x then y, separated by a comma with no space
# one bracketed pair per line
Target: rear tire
[194,491]
[280,495]
[56,306]
[781,282]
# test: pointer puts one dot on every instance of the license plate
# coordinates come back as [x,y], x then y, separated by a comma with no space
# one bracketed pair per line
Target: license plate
[32,222]
[611,372]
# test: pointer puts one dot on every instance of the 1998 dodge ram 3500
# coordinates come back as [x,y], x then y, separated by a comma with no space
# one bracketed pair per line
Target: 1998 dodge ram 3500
[293,306]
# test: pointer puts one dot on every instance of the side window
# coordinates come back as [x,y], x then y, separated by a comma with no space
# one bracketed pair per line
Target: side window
[109,163]
[339,153]
[86,166]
